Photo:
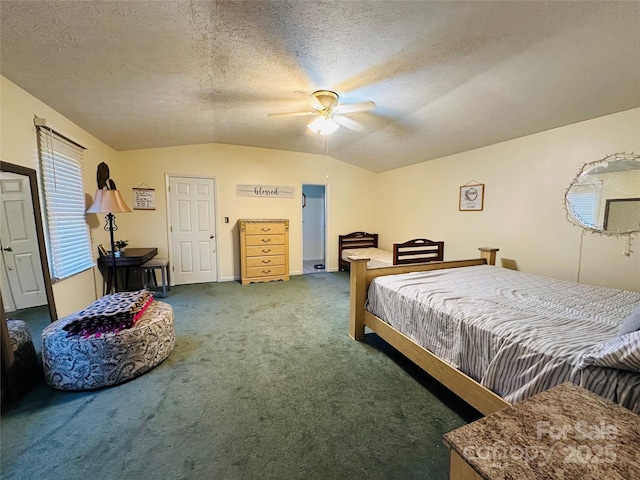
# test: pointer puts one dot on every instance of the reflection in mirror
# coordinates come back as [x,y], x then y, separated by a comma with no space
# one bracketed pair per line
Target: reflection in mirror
[25,282]
[605,196]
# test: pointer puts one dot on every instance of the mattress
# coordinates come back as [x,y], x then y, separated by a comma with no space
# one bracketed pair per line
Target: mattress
[515,333]
[379,258]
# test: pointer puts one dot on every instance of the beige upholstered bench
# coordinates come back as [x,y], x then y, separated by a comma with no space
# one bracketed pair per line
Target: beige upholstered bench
[149,271]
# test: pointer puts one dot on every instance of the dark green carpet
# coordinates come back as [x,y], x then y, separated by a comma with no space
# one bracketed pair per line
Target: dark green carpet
[264,382]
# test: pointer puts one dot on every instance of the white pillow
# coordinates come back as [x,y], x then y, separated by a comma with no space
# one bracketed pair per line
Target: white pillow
[631,323]
[620,352]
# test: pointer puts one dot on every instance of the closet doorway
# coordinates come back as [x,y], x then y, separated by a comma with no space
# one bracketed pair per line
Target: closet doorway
[313,228]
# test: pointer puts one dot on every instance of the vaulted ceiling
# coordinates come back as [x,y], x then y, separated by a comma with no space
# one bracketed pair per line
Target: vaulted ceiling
[446,77]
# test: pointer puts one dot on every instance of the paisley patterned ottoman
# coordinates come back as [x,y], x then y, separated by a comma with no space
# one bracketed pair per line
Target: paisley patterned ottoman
[73,362]
[25,364]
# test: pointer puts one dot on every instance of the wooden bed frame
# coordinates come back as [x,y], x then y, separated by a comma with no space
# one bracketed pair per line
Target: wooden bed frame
[354,240]
[418,250]
[479,397]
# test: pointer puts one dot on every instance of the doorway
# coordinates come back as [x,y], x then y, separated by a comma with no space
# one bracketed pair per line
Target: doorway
[192,230]
[313,228]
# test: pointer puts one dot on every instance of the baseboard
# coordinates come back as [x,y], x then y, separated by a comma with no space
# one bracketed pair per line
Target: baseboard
[298,272]
[229,279]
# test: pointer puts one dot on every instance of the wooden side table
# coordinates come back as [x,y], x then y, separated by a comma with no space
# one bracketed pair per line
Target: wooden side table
[566,432]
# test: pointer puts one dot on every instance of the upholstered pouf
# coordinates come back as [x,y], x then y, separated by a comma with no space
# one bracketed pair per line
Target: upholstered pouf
[74,362]
[25,361]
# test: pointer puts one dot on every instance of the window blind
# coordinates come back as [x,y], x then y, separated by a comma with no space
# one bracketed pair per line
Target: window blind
[68,236]
[584,200]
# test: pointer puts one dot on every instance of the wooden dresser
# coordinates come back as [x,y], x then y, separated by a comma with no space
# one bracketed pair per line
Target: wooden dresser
[264,250]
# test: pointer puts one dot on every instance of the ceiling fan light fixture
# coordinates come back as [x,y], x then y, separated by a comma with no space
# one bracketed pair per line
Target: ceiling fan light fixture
[323,125]
[326,98]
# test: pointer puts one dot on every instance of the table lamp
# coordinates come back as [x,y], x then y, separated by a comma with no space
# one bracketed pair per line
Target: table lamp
[110,202]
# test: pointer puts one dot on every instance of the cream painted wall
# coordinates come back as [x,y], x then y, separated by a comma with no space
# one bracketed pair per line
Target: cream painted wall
[349,195]
[525,182]
[348,192]
[18,145]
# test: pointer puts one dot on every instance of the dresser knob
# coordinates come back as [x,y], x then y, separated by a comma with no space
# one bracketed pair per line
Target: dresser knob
[266,261]
[265,229]
[266,250]
[266,271]
[266,240]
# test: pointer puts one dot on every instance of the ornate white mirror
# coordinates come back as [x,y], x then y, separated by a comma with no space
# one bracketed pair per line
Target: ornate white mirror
[605,196]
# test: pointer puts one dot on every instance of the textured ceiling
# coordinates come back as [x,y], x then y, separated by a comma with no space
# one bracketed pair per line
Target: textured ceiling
[446,76]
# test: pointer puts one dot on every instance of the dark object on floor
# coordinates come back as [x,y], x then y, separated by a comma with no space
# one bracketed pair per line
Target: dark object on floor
[26,367]
[319,266]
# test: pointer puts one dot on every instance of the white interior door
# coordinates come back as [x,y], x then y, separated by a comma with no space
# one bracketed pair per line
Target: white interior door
[20,252]
[193,230]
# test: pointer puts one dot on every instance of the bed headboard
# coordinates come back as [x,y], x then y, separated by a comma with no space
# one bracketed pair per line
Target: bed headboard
[358,240]
[418,250]
[354,240]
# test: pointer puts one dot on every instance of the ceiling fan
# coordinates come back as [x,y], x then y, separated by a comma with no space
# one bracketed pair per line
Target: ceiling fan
[330,113]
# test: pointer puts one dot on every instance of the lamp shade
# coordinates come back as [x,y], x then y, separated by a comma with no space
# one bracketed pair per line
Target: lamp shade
[323,125]
[108,201]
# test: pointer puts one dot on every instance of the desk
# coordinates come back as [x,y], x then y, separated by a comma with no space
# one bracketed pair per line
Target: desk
[131,257]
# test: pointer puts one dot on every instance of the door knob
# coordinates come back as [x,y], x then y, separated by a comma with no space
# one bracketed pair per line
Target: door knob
[211,236]
[7,249]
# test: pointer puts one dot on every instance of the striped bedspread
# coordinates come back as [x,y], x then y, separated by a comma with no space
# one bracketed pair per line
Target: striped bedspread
[517,334]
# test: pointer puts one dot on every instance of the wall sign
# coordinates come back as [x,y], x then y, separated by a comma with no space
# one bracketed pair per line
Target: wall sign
[270,191]
[144,198]
[471,197]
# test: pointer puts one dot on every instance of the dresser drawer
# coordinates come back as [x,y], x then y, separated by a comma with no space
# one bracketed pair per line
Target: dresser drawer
[265,261]
[265,250]
[265,228]
[265,240]
[266,271]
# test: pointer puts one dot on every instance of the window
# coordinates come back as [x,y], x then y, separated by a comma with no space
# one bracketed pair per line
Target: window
[585,202]
[68,236]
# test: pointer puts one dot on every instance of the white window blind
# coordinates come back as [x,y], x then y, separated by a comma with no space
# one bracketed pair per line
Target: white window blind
[68,236]
[585,201]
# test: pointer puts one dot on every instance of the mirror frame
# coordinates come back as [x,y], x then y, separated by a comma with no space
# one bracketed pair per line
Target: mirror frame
[586,167]
[10,382]
[37,213]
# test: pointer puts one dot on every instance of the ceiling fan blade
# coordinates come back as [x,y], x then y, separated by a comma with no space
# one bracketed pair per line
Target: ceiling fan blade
[292,114]
[348,123]
[354,107]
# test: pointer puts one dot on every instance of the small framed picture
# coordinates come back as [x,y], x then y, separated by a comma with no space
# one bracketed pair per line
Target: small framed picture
[471,197]
[102,250]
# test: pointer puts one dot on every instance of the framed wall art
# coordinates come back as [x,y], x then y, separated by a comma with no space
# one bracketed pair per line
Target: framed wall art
[144,198]
[471,197]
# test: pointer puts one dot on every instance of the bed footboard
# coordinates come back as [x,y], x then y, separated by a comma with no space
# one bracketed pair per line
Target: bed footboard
[481,398]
